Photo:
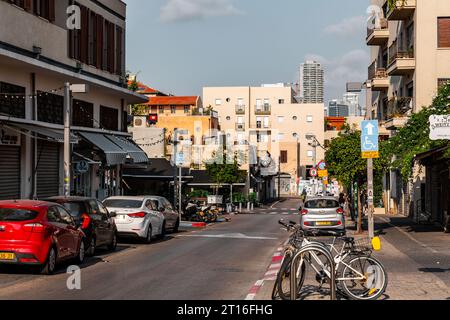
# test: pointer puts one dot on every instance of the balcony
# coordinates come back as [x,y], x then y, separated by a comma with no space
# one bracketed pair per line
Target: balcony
[402,10]
[401,62]
[240,109]
[240,126]
[262,126]
[398,112]
[378,77]
[379,35]
[263,110]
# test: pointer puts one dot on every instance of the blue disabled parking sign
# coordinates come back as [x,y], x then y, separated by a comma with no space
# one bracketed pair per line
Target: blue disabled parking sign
[369,139]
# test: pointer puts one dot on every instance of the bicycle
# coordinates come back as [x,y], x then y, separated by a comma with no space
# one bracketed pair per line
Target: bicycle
[354,280]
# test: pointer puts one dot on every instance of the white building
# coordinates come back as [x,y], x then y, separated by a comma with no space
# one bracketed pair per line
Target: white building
[311,83]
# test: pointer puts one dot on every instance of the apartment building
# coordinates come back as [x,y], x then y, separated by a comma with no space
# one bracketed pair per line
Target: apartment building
[311,83]
[269,118]
[410,50]
[38,55]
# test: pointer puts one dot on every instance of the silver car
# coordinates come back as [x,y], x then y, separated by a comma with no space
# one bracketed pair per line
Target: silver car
[137,217]
[322,213]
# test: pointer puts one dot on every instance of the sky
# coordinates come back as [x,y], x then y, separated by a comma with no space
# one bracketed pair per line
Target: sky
[181,46]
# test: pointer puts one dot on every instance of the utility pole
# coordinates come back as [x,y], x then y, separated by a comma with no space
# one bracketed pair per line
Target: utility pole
[67,157]
[279,177]
[175,142]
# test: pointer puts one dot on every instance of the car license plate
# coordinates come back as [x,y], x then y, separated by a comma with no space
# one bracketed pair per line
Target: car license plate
[7,256]
[323,223]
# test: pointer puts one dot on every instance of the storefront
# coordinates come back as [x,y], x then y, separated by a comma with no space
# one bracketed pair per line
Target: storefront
[10,150]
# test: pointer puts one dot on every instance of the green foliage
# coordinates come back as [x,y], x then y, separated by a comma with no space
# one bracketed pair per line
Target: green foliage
[139,110]
[239,197]
[223,172]
[414,138]
[344,157]
[199,194]
[133,86]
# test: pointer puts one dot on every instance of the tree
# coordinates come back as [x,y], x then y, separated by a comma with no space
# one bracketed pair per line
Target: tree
[346,164]
[221,171]
[136,109]
[414,137]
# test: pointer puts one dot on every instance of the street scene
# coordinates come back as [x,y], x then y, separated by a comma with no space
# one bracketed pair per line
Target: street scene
[215,161]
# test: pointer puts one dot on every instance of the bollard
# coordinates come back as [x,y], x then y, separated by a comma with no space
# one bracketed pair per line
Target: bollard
[248,206]
[240,207]
[252,207]
[295,265]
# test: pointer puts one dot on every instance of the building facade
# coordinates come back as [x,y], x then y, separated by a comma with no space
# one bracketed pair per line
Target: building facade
[38,55]
[410,50]
[311,83]
[269,118]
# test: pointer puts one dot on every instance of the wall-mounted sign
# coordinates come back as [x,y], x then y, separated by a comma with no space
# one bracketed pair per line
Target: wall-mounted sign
[9,137]
[81,167]
[440,127]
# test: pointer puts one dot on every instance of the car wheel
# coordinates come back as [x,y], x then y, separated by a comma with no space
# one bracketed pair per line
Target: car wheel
[81,253]
[148,238]
[91,251]
[176,228]
[50,264]
[113,245]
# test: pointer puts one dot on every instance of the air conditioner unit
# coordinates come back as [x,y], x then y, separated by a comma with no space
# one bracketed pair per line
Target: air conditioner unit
[140,122]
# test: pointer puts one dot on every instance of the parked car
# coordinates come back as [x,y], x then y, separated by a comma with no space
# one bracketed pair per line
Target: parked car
[38,233]
[171,216]
[94,219]
[136,217]
[322,213]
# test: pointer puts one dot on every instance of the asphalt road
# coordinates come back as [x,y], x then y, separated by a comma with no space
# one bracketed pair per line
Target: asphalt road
[222,261]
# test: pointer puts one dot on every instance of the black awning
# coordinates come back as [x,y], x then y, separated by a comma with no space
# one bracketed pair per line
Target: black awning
[114,154]
[156,169]
[56,135]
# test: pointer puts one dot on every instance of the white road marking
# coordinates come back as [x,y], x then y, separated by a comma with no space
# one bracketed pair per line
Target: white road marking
[271,207]
[226,236]
[251,296]
[423,245]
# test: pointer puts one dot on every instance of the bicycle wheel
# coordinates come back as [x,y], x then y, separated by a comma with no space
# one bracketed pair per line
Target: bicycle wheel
[284,279]
[374,278]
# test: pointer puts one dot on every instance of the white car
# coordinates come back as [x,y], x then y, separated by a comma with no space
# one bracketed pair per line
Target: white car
[136,217]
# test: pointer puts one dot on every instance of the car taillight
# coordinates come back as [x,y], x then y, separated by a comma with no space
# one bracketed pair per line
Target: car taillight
[137,215]
[86,221]
[304,212]
[34,228]
[340,211]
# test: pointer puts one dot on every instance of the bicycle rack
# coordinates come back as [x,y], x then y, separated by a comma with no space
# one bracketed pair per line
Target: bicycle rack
[294,265]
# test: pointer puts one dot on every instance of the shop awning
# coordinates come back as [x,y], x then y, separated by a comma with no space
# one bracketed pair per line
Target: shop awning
[114,154]
[130,148]
[51,134]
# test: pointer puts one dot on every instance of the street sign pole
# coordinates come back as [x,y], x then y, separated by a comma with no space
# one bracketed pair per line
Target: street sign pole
[67,159]
[370,198]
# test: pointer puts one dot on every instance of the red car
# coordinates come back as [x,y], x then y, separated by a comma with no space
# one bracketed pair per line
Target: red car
[38,233]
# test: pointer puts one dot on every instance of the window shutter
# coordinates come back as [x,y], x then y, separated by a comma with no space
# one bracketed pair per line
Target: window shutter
[27,5]
[111,47]
[99,49]
[51,10]
[84,34]
[444,32]
[119,52]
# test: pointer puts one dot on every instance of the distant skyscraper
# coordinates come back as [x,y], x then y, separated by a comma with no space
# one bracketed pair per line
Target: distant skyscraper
[338,109]
[311,82]
[352,100]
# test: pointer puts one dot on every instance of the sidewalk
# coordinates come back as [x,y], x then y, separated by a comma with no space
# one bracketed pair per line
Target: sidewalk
[406,281]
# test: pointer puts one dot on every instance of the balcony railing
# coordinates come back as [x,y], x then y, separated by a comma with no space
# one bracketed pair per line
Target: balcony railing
[401,61]
[240,109]
[399,107]
[401,10]
[262,125]
[265,109]
[377,73]
[240,126]
[378,24]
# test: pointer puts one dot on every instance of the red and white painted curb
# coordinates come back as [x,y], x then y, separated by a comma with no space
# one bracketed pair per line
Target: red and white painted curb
[270,275]
[189,224]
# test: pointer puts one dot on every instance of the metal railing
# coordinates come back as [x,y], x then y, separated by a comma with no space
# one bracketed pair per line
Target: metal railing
[399,107]
[240,126]
[376,73]
[380,24]
[265,109]
[396,52]
[240,109]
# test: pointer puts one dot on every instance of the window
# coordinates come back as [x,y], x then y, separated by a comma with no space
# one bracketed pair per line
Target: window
[266,122]
[64,216]
[124,203]
[240,120]
[228,118]
[442,82]
[187,109]
[310,154]
[173,109]
[444,32]
[280,119]
[280,101]
[309,119]
[295,118]
[284,156]
[109,118]
[82,114]
[218,102]
[53,215]
[12,100]
[161,109]
[50,107]
[280,136]
[45,9]
[240,102]
[10,214]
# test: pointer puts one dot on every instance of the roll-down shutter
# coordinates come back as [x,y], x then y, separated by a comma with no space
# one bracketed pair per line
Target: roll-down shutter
[9,172]
[48,169]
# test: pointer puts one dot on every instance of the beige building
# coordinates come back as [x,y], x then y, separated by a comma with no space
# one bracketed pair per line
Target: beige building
[410,50]
[38,54]
[269,118]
